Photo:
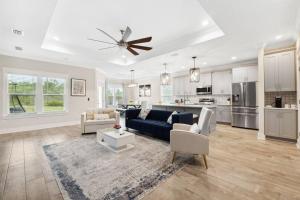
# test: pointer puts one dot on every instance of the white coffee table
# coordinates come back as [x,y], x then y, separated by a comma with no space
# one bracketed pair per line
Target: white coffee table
[116,140]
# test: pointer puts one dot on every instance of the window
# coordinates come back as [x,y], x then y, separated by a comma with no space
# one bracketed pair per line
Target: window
[21,93]
[166,93]
[30,92]
[53,94]
[114,94]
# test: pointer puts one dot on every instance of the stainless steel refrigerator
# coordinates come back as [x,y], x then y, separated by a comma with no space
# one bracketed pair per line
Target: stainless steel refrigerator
[244,109]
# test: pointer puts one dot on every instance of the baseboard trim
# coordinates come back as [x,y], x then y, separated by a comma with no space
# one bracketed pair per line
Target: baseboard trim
[261,136]
[38,127]
[298,143]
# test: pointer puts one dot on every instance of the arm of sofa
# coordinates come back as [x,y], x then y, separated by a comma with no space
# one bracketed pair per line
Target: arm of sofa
[82,120]
[131,114]
[182,118]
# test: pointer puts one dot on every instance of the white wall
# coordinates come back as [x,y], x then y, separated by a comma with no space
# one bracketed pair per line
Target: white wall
[132,94]
[76,104]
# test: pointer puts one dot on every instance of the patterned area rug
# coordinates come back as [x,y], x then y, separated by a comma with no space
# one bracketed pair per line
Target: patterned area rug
[87,170]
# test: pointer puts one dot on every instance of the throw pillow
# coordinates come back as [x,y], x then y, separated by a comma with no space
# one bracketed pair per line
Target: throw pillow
[143,113]
[89,115]
[101,116]
[195,128]
[170,118]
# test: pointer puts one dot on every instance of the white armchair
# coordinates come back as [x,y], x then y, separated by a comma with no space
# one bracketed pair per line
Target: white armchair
[184,141]
[91,125]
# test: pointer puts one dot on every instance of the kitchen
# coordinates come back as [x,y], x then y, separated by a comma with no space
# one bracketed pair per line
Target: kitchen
[215,89]
[233,92]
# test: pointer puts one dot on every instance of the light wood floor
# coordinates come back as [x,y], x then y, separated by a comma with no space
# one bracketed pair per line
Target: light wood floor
[240,167]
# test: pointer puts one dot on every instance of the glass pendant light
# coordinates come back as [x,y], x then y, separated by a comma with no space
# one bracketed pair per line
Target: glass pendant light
[165,77]
[132,83]
[195,72]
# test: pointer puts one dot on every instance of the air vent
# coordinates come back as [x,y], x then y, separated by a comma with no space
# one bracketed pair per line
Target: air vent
[17,32]
[17,48]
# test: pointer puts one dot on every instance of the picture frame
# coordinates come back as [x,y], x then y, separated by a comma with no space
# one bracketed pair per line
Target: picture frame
[78,87]
[145,90]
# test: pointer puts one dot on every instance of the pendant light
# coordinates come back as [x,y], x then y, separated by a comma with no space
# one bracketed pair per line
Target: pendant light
[132,83]
[165,77]
[195,72]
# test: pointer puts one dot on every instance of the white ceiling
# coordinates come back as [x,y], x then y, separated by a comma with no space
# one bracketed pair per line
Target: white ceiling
[57,31]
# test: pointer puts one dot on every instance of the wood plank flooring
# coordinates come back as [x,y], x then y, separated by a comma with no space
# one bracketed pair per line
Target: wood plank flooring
[239,167]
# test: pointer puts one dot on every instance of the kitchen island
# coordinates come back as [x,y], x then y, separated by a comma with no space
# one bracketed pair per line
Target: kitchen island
[190,108]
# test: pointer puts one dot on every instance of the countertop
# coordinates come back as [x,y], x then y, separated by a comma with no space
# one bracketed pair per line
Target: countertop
[273,108]
[186,105]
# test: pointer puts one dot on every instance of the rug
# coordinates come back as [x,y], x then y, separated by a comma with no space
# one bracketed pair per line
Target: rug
[85,169]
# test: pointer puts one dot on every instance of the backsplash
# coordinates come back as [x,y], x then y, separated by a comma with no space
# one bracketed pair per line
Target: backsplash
[287,97]
[219,99]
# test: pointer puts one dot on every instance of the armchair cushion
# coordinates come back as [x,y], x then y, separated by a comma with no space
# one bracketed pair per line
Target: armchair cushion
[178,126]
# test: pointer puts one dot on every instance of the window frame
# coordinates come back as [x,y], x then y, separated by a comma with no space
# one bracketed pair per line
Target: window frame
[39,102]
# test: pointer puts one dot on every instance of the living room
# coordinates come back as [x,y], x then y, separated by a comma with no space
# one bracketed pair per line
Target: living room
[110,100]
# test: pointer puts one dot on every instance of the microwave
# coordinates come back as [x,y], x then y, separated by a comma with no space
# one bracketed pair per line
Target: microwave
[204,90]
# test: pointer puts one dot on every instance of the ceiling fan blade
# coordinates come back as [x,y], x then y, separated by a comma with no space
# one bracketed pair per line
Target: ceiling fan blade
[126,34]
[142,40]
[111,37]
[106,48]
[101,41]
[132,51]
[140,47]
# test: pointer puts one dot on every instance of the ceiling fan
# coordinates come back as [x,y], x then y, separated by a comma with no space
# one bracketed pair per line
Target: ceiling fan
[123,43]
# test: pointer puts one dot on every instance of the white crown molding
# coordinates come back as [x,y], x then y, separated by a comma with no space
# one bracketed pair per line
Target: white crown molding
[38,127]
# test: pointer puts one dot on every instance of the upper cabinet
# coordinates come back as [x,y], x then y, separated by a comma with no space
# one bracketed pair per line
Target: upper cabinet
[205,80]
[280,72]
[244,74]
[221,82]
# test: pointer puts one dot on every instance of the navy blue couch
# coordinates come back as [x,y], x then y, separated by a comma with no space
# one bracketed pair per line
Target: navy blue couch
[156,122]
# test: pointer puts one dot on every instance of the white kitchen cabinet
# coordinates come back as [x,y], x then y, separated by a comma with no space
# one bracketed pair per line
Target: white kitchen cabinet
[223,114]
[280,72]
[244,74]
[281,123]
[221,83]
[205,80]
[181,86]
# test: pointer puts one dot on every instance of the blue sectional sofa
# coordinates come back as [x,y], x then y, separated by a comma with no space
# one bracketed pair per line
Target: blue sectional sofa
[156,122]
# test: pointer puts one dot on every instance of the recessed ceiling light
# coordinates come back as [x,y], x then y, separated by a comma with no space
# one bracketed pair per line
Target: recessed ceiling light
[278,37]
[233,58]
[56,38]
[17,48]
[18,32]
[205,23]
[123,56]
[204,63]
[183,67]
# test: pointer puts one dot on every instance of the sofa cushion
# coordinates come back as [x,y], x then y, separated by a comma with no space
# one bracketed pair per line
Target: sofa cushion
[90,115]
[101,116]
[159,115]
[150,124]
[95,122]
